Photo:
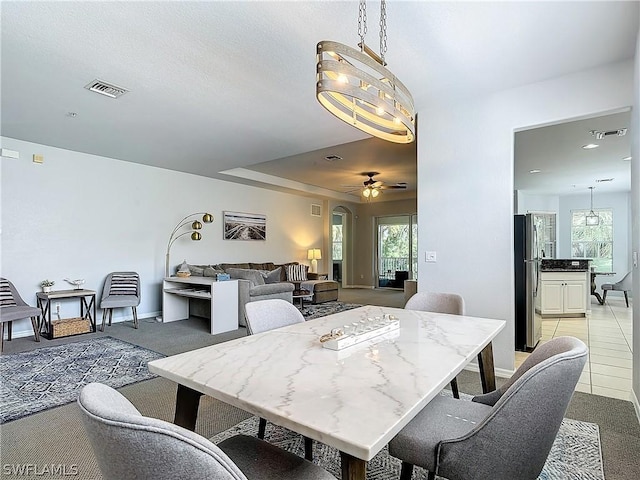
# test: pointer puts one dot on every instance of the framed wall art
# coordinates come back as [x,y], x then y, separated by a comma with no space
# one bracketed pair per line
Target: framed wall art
[244,226]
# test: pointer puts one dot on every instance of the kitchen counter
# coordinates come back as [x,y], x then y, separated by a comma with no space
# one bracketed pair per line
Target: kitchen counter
[564,265]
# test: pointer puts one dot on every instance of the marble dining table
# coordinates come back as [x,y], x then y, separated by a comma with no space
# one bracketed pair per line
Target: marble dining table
[355,399]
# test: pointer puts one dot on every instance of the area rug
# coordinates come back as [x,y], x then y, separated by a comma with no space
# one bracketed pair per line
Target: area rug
[52,376]
[575,454]
[323,309]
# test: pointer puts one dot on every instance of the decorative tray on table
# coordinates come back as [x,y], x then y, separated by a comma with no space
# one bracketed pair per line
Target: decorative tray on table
[359,332]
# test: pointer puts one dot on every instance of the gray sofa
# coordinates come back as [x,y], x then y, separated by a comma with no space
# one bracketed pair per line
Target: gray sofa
[256,281]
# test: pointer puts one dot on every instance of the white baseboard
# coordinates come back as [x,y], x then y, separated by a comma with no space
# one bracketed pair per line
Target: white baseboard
[636,403]
[500,372]
[28,331]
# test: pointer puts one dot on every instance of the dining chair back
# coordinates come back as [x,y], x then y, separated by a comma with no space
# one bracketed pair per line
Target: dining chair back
[264,315]
[623,285]
[504,434]
[450,303]
[436,302]
[13,307]
[129,445]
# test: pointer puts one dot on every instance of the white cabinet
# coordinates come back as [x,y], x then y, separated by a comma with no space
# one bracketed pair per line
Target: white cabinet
[563,293]
[222,297]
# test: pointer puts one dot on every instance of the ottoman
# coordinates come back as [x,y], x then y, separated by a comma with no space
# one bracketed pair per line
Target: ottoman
[323,290]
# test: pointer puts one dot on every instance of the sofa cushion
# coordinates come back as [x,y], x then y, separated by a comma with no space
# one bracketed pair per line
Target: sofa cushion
[197,270]
[254,276]
[210,271]
[268,266]
[272,276]
[226,266]
[270,289]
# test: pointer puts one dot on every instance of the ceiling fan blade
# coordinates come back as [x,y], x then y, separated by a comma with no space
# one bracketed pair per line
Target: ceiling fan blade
[389,187]
[377,184]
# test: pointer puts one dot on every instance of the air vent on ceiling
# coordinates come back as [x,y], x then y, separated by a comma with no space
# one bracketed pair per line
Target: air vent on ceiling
[332,158]
[604,180]
[104,88]
[599,135]
[316,210]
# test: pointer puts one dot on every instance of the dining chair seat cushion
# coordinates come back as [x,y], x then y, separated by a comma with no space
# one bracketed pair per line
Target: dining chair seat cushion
[8,314]
[116,301]
[446,417]
[275,463]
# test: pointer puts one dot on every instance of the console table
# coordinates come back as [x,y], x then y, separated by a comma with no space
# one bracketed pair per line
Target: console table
[222,297]
[44,303]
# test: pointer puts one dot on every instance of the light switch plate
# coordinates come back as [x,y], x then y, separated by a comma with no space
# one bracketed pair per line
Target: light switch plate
[430,257]
[5,152]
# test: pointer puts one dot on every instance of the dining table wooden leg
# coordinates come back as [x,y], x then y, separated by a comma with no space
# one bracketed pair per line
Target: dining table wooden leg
[353,468]
[487,372]
[187,403]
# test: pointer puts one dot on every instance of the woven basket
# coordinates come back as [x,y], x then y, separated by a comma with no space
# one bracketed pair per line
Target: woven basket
[70,326]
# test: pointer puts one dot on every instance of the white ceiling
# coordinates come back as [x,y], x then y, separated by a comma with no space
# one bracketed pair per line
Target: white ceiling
[216,86]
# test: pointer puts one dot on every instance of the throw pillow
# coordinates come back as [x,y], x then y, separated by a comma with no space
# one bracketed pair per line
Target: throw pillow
[297,273]
[253,276]
[212,272]
[196,270]
[271,276]
[6,297]
[122,284]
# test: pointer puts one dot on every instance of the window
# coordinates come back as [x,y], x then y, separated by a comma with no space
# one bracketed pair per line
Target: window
[336,234]
[594,242]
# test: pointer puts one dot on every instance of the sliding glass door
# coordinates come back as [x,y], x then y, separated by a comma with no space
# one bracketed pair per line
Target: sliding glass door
[397,252]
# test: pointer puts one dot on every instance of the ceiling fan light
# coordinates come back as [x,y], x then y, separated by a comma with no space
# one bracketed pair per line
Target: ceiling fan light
[366,192]
[375,192]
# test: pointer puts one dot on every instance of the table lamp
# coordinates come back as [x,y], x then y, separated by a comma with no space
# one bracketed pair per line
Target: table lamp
[314,255]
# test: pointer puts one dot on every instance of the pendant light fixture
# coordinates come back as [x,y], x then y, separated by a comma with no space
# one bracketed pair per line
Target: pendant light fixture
[355,86]
[592,219]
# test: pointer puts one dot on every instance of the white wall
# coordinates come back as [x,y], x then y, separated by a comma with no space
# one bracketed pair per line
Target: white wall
[465,197]
[619,203]
[83,216]
[537,203]
[635,215]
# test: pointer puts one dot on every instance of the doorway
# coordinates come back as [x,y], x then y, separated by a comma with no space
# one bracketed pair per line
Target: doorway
[397,250]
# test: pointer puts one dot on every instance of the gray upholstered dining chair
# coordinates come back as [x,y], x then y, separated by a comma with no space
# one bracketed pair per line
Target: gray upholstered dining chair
[623,285]
[121,289]
[264,315]
[129,445]
[507,433]
[451,303]
[13,307]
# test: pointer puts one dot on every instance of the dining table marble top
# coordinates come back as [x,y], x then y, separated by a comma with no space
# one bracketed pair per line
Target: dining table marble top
[354,399]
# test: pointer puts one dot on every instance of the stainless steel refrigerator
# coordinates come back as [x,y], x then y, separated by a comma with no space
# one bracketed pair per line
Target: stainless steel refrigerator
[528,325]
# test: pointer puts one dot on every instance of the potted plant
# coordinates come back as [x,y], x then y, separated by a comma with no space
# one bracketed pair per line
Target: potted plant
[46,285]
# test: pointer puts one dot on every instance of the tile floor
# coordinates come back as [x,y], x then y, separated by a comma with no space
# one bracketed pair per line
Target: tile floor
[607,333]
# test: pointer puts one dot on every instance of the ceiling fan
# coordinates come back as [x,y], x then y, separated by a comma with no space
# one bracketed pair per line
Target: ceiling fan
[372,188]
